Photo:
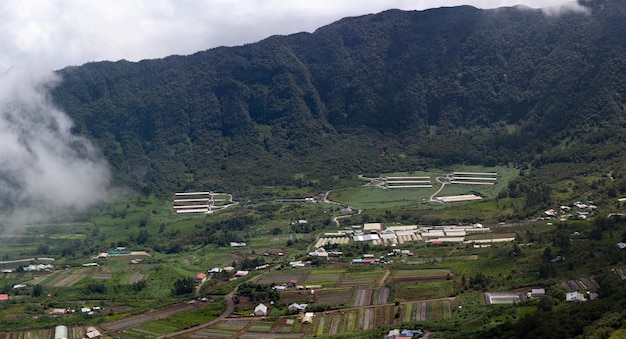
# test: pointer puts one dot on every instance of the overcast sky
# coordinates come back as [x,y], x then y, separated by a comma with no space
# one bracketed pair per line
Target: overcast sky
[53,34]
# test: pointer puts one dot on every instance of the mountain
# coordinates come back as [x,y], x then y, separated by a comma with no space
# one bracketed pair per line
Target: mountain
[386,92]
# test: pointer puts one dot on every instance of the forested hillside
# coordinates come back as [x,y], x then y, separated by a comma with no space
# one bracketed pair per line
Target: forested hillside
[391,91]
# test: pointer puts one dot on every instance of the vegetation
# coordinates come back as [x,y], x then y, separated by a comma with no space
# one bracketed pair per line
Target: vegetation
[538,99]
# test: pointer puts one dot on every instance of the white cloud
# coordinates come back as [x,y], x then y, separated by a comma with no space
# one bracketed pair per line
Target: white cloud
[57,33]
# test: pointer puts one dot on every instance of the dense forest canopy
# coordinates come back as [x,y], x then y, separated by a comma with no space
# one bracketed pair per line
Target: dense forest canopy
[391,91]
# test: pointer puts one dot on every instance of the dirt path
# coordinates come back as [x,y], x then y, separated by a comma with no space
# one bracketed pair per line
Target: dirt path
[381,282]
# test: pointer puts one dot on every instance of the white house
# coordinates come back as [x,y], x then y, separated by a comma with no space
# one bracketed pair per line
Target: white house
[260,310]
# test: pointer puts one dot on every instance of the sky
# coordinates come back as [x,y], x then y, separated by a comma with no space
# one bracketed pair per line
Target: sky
[53,34]
[44,167]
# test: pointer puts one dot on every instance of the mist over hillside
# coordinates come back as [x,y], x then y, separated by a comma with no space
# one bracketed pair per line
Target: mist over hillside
[391,91]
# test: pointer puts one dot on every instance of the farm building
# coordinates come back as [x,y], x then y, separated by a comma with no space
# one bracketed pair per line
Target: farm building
[60,332]
[308,317]
[537,292]
[292,283]
[372,227]
[295,307]
[237,244]
[260,310]
[320,253]
[241,273]
[4,296]
[199,278]
[92,333]
[367,237]
[575,296]
[503,297]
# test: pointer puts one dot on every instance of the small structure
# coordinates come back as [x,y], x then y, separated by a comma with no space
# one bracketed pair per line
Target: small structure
[373,227]
[537,292]
[308,317]
[621,245]
[260,310]
[292,283]
[237,244]
[92,333]
[215,270]
[295,307]
[241,273]
[575,296]
[4,296]
[60,332]
[199,278]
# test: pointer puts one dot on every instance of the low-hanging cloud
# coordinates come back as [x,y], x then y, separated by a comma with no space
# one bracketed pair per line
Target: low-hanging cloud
[44,167]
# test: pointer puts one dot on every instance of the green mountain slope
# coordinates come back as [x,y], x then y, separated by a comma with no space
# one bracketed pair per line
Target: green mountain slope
[392,91]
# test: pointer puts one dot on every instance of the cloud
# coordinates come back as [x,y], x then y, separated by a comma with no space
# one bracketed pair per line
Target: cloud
[44,167]
[58,33]
[569,7]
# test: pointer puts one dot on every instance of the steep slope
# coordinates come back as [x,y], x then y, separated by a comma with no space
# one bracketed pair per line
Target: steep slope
[392,91]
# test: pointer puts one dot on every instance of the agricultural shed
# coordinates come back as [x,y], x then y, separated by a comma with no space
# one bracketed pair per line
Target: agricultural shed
[241,273]
[366,237]
[60,332]
[308,317]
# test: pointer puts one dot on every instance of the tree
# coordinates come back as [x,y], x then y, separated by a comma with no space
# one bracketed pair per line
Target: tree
[183,286]
[37,291]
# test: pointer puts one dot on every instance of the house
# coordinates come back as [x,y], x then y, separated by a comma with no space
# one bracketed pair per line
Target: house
[292,283]
[4,296]
[19,286]
[237,244]
[575,296]
[260,310]
[621,245]
[404,334]
[199,278]
[215,270]
[241,273]
[295,307]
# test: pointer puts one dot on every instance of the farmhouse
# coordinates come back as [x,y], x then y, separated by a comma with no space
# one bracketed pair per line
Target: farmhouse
[292,283]
[260,310]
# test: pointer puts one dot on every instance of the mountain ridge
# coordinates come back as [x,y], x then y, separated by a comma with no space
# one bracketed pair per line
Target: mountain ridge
[389,91]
